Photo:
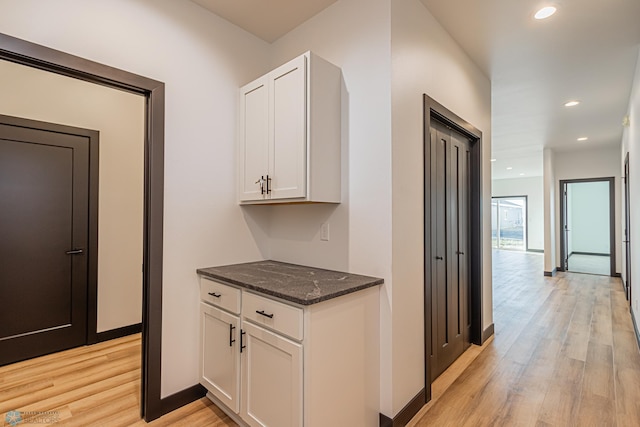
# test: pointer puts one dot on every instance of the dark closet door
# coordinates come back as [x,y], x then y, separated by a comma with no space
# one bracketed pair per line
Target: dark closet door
[44,190]
[627,230]
[450,273]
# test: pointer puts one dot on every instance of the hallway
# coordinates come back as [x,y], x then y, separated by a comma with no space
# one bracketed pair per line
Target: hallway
[564,354]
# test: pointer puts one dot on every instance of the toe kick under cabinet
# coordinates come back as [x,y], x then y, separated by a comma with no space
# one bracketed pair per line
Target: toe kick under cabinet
[269,361]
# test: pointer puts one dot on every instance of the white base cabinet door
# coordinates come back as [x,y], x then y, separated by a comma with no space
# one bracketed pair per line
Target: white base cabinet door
[271,379]
[220,364]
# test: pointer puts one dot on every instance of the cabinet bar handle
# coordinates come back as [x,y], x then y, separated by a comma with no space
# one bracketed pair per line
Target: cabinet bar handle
[261,182]
[270,316]
[268,189]
[231,340]
[213,294]
[242,333]
[439,257]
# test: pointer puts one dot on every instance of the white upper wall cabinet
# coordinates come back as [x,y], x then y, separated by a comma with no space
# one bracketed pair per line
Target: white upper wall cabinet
[289,134]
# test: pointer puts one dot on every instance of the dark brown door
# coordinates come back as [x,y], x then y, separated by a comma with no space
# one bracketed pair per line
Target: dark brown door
[450,273]
[627,230]
[44,190]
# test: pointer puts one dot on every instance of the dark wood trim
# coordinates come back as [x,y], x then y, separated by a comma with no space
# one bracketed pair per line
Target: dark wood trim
[94,180]
[617,275]
[119,332]
[635,328]
[47,59]
[526,209]
[488,332]
[407,413]
[612,220]
[181,398]
[385,421]
[538,251]
[436,111]
[551,273]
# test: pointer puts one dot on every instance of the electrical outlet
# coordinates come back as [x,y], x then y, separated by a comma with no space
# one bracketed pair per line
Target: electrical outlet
[324,232]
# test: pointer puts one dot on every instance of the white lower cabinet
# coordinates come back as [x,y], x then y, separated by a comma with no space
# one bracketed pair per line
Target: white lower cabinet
[220,364]
[276,364]
[271,379]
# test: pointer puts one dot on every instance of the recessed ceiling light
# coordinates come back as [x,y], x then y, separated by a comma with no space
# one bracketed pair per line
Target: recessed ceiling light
[545,12]
[582,138]
[493,160]
[509,168]
[571,103]
[522,174]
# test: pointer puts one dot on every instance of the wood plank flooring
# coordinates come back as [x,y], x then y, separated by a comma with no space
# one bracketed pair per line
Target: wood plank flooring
[564,354]
[96,385]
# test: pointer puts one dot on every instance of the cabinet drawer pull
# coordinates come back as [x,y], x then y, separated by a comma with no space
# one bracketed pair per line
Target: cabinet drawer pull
[213,294]
[231,340]
[270,316]
[242,333]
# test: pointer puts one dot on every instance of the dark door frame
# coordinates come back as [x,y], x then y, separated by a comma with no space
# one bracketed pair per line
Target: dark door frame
[526,210]
[33,55]
[627,229]
[612,220]
[93,138]
[435,111]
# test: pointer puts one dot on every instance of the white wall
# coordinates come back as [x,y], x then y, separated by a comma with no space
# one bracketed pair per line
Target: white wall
[596,163]
[426,60]
[119,117]
[388,51]
[589,226]
[549,190]
[354,35]
[203,60]
[532,187]
[631,145]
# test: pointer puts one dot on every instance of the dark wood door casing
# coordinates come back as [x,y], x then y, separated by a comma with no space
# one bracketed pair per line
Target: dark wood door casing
[563,220]
[33,55]
[434,111]
[627,229]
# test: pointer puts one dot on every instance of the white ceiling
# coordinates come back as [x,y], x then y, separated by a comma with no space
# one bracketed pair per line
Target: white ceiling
[267,19]
[586,51]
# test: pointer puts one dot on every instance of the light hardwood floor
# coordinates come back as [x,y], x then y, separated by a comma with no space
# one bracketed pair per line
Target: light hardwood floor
[564,354]
[97,385]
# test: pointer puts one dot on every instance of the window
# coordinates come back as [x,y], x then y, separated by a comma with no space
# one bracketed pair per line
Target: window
[509,223]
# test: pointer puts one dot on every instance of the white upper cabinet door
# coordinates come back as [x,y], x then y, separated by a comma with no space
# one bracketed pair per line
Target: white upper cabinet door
[253,144]
[288,136]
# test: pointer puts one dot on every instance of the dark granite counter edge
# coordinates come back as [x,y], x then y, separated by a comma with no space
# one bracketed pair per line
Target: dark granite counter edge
[287,297]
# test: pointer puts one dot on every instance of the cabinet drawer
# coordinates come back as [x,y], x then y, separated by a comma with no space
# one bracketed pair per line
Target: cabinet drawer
[275,315]
[223,296]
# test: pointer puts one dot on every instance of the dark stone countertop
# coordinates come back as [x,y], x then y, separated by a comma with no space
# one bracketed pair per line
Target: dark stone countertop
[291,282]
